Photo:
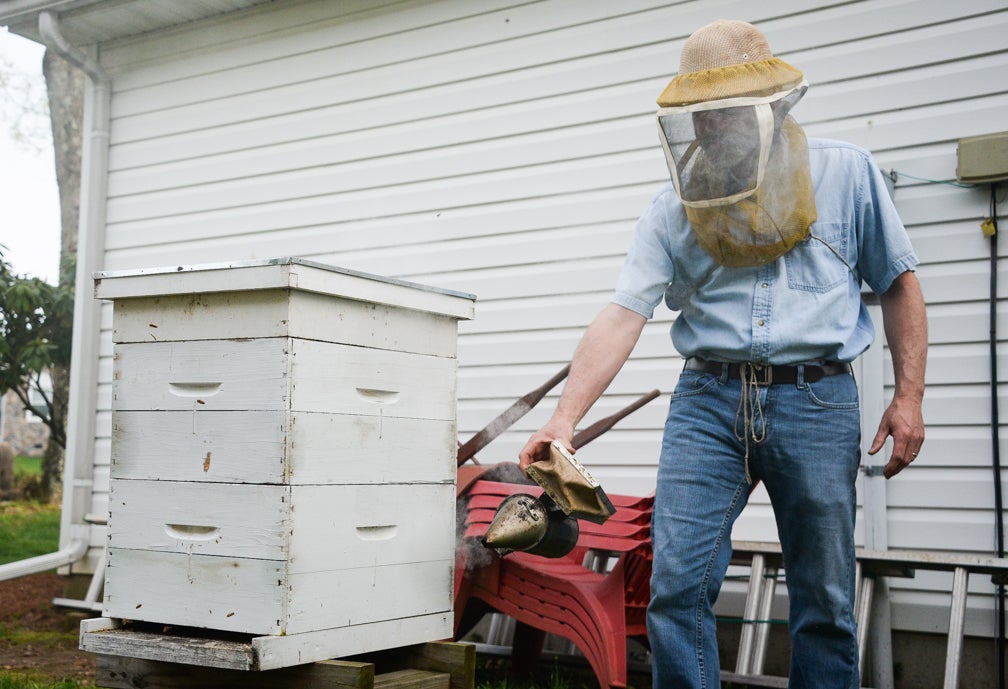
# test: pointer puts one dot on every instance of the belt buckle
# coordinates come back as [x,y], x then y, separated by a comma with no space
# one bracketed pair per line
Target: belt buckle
[763,374]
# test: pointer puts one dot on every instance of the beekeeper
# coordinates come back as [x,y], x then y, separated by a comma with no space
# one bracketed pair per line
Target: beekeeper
[761,243]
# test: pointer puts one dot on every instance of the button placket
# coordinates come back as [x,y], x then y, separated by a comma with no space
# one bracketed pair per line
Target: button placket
[761,313]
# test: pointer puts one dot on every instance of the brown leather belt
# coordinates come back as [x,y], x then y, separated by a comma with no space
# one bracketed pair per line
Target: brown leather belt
[769,375]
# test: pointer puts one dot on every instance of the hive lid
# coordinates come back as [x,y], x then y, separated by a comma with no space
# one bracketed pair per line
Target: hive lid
[282,273]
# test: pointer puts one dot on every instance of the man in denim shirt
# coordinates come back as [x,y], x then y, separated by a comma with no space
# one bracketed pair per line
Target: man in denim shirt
[766,275]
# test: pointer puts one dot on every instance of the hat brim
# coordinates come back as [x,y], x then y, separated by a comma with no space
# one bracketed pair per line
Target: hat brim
[761,78]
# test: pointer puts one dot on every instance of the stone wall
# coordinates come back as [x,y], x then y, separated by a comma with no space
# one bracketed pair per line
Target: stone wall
[27,436]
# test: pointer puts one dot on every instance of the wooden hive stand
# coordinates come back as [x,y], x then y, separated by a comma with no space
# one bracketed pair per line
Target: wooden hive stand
[431,665]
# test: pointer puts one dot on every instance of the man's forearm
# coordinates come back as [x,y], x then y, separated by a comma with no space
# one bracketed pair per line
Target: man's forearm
[906,328]
[603,350]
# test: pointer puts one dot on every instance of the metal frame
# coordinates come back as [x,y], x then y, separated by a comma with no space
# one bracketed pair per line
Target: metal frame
[872,568]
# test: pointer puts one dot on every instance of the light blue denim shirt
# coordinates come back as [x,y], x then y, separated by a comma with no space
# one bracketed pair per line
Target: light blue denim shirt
[804,307]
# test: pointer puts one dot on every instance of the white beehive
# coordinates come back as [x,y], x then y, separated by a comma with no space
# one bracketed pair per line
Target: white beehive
[283,453]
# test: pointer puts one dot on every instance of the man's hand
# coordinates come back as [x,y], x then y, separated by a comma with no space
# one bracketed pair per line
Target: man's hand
[537,448]
[904,422]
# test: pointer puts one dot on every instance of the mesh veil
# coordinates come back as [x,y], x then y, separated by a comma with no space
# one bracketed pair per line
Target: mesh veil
[768,223]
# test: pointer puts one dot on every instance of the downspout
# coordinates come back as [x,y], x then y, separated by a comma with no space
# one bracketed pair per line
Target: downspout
[875,503]
[75,549]
[79,464]
[875,500]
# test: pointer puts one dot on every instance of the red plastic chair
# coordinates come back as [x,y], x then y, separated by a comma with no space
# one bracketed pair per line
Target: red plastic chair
[598,610]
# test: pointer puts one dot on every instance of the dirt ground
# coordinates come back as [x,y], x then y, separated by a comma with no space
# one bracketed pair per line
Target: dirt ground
[45,638]
[26,606]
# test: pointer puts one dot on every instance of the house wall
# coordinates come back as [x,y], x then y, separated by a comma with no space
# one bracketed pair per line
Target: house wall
[506,149]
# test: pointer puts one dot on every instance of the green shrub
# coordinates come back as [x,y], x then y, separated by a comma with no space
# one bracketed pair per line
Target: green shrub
[28,478]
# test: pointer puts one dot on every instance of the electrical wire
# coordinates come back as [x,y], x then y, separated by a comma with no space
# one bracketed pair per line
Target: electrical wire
[893,174]
[995,439]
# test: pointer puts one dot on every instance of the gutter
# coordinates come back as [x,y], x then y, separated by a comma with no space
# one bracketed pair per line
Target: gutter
[49,30]
[22,10]
[78,469]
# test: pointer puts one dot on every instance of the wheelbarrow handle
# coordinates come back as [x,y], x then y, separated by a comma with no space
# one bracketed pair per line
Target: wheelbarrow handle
[506,418]
[589,434]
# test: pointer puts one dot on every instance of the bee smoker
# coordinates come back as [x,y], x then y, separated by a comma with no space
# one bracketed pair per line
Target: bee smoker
[547,525]
[533,525]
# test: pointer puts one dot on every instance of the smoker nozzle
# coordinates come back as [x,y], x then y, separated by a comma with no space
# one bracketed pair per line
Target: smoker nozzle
[533,525]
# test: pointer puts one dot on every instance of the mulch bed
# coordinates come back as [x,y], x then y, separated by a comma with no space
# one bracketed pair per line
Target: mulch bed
[26,606]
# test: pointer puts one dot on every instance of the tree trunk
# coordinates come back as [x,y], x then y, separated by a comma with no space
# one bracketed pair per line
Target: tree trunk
[6,470]
[52,459]
[65,85]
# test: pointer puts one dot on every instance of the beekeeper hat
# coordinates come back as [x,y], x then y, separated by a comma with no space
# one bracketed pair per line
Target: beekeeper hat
[728,59]
[738,161]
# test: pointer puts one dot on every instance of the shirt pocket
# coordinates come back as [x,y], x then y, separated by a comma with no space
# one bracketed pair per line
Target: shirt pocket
[816,264]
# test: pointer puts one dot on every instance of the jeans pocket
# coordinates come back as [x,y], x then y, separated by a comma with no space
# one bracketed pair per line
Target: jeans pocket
[834,392]
[693,383]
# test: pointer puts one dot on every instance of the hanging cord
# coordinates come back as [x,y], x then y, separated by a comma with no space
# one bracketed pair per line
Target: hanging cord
[837,254]
[749,410]
[995,440]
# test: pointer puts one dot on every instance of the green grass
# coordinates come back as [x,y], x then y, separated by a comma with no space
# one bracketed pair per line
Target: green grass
[492,673]
[21,681]
[19,637]
[27,529]
[32,466]
[554,683]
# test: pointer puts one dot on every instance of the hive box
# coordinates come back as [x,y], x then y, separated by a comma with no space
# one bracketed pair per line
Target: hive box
[283,454]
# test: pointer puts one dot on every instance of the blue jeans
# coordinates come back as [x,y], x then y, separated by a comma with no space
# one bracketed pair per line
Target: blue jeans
[808,460]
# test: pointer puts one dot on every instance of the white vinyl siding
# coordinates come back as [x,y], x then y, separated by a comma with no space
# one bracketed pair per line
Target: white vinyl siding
[506,149]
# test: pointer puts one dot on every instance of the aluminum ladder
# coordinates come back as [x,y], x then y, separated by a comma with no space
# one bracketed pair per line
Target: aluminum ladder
[764,560]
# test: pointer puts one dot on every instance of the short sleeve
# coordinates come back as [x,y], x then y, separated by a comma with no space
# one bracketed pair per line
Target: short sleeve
[884,249]
[648,267]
